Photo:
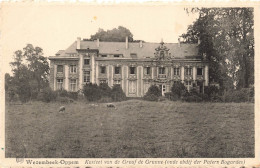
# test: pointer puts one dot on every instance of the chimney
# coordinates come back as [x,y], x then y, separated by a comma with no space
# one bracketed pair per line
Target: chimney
[78,43]
[126,42]
[97,42]
[141,44]
[179,42]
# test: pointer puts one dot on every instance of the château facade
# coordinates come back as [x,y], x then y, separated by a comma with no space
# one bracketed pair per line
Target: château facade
[135,66]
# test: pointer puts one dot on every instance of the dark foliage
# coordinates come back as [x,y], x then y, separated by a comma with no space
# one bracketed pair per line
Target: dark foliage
[116,35]
[178,88]
[153,93]
[47,95]
[117,94]
[92,92]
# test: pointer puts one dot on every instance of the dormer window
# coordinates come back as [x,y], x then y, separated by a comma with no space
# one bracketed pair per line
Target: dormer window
[103,55]
[133,55]
[116,55]
[161,54]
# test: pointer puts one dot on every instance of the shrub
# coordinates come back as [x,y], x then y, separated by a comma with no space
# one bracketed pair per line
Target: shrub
[105,90]
[211,90]
[242,95]
[92,92]
[117,94]
[171,96]
[192,98]
[63,93]
[105,100]
[47,95]
[151,97]
[178,88]
[63,100]
[154,90]
[73,95]
[153,93]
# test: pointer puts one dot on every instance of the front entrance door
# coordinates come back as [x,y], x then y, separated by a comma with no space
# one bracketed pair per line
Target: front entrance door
[162,88]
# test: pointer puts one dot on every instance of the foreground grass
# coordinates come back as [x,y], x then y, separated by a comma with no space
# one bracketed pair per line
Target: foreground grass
[134,129]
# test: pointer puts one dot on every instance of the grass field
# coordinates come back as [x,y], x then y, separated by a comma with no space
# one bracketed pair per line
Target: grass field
[135,128]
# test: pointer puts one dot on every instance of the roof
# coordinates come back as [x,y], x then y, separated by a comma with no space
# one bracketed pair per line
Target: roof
[147,49]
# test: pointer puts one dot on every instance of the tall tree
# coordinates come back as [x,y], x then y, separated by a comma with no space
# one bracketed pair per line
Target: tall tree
[227,42]
[30,69]
[117,35]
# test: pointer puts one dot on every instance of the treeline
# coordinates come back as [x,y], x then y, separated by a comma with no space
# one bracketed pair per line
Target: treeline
[226,38]
[211,94]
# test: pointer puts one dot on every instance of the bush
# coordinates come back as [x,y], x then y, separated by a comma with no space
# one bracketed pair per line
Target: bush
[92,92]
[151,97]
[242,95]
[117,94]
[105,100]
[64,100]
[211,90]
[47,95]
[192,98]
[171,96]
[153,93]
[105,90]
[73,95]
[62,93]
[178,88]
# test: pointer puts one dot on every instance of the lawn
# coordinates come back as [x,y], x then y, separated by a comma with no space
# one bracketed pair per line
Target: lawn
[135,128]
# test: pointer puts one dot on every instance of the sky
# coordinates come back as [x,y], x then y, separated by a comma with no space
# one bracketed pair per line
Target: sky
[55,27]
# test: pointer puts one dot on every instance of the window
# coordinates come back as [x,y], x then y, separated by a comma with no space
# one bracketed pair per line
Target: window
[161,54]
[73,69]
[73,85]
[60,68]
[176,71]
[116,55]
[59,84]
[103,69]
[117,70]
[132,70]
[133,55]
[188,83]
[147,70]
[87,76]
[188,71]
[103,55]
[162,70]
[86,61]
[199,71]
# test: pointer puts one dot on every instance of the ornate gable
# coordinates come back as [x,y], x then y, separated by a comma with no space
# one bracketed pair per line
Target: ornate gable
[162,52]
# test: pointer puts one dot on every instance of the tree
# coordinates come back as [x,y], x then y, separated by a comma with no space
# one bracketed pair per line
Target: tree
[117,94]
[178,88]
[92,92]
[227,42]
[153,93]
[30,69]
[116,35]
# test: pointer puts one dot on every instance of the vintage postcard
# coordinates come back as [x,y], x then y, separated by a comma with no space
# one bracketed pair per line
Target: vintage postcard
[151,84]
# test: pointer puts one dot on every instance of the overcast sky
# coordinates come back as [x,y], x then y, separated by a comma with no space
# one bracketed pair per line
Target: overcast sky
[55,27]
